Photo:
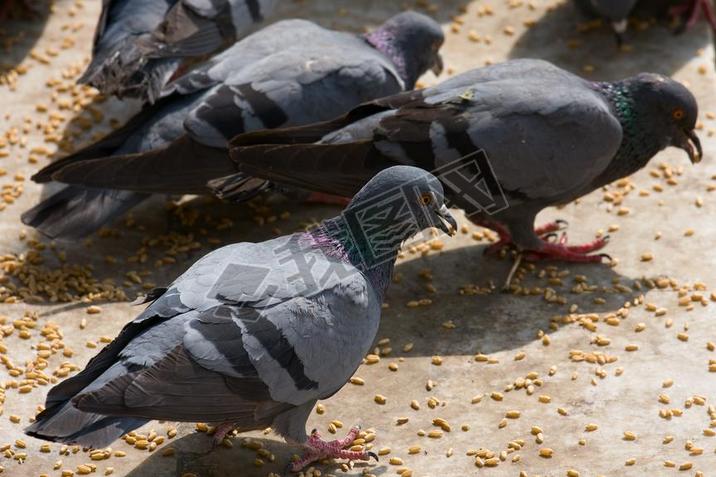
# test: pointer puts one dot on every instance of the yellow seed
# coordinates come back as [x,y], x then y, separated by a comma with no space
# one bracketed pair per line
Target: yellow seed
[629,436]
[630,462]
[357,381]
[414,450]
[384,451]
[415,405]
[435,434]
[683,336]
[380,399]
[546,452]
[512,414]
[631,347]
[572,473]
[497,396]
[591,427]
[396,461]
[686,466]
[441,423]
[544,399]
[93,310]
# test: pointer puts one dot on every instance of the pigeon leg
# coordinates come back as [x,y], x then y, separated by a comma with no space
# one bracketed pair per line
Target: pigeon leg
[504,236]
[318,449]
[709,12]
[690,13]
[221,431]
[327,199]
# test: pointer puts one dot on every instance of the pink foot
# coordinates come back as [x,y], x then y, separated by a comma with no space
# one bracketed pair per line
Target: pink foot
[221,431]
[318,449]
[327,199]
[691,12]
[564,253]
[506,240]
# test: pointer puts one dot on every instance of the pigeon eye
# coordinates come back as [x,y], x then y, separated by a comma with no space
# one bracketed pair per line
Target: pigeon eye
[426,199]
[678,114]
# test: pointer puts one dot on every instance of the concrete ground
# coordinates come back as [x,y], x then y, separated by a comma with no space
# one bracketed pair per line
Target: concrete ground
[607,367]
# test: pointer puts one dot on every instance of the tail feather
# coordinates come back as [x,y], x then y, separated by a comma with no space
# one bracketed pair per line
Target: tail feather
[339,169]
[76,212]
[96,430]
[63,422]
[184,166]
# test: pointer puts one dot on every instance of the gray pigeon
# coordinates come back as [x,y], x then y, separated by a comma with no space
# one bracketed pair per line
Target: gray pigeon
[506,141]
[290,73]
[252,335]
[617,12]
[140,44]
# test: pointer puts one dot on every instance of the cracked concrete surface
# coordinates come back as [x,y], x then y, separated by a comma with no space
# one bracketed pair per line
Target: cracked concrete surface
[486,341]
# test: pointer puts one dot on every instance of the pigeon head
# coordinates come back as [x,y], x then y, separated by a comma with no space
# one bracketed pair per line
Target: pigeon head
[412,42]
[667,109]
[397,203]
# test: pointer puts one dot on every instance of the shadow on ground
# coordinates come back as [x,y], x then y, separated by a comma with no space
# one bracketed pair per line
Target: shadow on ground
[19,31]
[494,322]
[193,455]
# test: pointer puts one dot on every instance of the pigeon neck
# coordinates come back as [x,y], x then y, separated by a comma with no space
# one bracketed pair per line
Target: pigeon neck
[639,144]
[334,237]
[385,41]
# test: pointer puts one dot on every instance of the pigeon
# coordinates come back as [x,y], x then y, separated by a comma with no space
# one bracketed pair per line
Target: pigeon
[253,334]
[290,73]
[617,12]
[688,12]
[506,140]
[140,44]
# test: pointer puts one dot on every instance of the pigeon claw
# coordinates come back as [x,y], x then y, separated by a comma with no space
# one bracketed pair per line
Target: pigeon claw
[557,226]
[317,449]
[374,455]
[607,257]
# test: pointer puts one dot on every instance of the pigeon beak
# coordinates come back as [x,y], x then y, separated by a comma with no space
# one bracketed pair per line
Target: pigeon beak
[448,224]
[690,143]
[438,65]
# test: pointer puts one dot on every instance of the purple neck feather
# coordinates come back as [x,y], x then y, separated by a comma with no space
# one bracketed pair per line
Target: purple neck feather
[328,240]
[383,40]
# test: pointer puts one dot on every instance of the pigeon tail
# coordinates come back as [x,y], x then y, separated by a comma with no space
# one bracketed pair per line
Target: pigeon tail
[76,212]
[96,431]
